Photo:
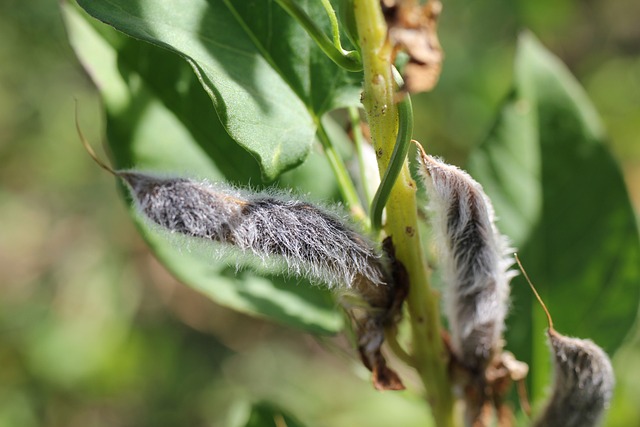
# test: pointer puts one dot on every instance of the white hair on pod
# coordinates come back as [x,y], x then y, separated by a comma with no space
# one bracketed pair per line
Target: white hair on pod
[474,261]
[583,386]
[313,242]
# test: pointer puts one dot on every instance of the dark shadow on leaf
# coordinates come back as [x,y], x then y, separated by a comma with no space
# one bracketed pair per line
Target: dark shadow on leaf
[179,90]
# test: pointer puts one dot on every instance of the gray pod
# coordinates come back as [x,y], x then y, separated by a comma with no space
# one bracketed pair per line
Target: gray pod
[313,242]
[473,257]
[583,386]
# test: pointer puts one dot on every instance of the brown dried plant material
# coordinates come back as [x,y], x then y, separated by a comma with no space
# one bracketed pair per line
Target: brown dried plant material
[499,376]
[485,393]
[371,325]
[413,29]
[370,340]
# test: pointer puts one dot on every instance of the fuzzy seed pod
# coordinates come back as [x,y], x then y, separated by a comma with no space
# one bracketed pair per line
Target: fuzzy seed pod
[311,241]
[473,256]
[583,387]
[584,378]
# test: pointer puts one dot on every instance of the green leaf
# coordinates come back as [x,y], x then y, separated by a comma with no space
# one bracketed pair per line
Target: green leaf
[265,414]
[561,197]
[289,301]
[269,82]
[148,117]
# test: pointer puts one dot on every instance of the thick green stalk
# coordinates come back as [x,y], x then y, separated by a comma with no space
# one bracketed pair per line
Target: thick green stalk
[428,352]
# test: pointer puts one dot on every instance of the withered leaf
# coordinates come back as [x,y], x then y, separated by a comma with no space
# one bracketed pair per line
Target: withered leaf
[413,30]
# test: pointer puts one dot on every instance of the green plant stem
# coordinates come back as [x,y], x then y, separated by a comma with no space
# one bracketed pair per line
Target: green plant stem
[349,60]
[347,189]
[335,28]
[359,142]
[428,353]
[391,338]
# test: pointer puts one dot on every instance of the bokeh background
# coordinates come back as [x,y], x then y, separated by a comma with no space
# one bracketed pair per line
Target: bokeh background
[94,332]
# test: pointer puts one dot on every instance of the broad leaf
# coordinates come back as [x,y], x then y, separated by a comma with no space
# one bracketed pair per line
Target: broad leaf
[269,82]
[561,197]
[148,116]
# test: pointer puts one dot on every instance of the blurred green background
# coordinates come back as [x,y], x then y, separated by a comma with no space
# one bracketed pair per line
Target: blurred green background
[94,332]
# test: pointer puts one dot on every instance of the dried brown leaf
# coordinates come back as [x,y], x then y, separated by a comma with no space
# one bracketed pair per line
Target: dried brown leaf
[384,312]
[413,29]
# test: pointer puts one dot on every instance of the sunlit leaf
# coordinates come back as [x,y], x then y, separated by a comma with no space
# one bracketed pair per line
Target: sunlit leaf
[269,82]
